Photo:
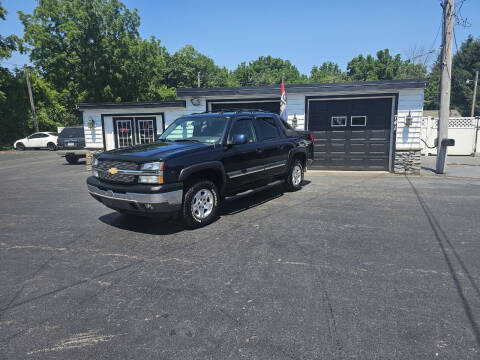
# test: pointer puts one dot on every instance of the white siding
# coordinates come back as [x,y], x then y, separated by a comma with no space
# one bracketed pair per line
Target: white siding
[408,137]
[93,137]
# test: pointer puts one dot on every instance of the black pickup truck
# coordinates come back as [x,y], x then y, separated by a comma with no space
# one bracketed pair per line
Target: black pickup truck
[197,161]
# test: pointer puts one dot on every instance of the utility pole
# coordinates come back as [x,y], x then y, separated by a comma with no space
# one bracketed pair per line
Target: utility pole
[30,95]
[475,83]
[445,84]
[198,79]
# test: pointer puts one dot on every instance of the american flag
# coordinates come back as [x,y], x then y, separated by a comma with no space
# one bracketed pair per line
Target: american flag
[283,102]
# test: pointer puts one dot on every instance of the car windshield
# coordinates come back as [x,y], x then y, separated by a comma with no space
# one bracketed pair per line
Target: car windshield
[201,129]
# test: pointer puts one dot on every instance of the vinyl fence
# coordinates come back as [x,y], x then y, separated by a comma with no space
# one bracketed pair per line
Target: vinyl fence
[465,131]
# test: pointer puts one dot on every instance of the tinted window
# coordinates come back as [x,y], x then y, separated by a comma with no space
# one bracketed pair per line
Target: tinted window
[53,133]
[268,128]
[72,132]
[34,136]
[243,126]
[42,135]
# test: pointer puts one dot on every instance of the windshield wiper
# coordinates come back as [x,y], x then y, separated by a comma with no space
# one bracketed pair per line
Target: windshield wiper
[181,140]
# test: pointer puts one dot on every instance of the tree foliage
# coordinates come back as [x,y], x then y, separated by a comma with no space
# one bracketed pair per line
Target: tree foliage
[185,65]
[383,67]
[464,64]
[328,72]
[266,70]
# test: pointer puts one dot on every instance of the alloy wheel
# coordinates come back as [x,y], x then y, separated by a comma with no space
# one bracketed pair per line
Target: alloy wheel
[202,204]
[296,175]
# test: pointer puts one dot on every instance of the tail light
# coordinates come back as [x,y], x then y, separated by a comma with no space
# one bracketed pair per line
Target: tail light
[312,138]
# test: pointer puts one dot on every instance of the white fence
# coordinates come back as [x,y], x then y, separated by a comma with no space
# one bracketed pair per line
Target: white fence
[464,130]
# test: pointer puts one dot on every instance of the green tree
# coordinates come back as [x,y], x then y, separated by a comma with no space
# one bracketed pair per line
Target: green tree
[326,73]
[266,70]
[185,65]
[383,67]
[464,64]
[90,50]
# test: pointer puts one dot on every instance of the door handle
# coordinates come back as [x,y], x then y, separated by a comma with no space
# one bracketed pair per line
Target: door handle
[259,151]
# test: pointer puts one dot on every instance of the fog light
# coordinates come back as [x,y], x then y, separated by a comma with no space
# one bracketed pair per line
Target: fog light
[150,179]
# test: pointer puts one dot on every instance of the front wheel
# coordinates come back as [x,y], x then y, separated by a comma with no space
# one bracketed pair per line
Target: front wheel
[20,147]
[295,176]
[200,204]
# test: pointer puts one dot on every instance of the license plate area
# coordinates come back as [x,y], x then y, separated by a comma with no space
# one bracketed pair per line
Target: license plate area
[70,144]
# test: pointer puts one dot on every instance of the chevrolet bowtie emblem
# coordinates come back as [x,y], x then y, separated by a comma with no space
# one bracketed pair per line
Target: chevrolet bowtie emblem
[112,171]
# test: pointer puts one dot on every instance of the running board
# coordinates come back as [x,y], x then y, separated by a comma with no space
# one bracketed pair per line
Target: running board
[258,189]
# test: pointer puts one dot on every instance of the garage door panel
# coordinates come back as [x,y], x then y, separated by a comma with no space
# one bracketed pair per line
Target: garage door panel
[358,148]
[338,135]
[380,148]
[362,144]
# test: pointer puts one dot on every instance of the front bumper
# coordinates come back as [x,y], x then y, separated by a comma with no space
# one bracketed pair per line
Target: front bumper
[151,203]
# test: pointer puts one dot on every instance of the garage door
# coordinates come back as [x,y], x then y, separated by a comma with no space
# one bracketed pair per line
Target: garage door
[271,106]
[351,134]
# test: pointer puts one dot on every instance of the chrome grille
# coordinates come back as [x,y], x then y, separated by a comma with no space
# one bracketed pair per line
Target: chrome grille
[117,178]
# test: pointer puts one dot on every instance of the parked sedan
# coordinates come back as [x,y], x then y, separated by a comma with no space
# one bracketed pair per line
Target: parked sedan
[38,140]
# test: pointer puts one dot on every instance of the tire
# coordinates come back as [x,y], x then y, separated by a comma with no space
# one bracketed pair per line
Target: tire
[200,203]
[71,159]
[295,176]
[20,147]
[51,146]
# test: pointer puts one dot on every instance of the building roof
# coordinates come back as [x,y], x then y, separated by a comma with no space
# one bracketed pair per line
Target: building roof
[435,113]
[121,105]
[274,90]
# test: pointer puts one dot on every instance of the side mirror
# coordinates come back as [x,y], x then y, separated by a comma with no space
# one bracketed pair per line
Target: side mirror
[239,139]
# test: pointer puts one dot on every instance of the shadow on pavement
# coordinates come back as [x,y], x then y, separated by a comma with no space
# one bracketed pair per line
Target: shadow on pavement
[443,241]
[161,226]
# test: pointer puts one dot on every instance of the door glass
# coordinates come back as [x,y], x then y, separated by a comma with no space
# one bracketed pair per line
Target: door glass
[359,121]
[268,128]
[124,133]
[145,131]
[338,121]
[243,126]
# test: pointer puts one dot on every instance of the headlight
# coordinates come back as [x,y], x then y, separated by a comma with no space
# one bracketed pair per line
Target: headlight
[95,162]
[152,166]
[157,173]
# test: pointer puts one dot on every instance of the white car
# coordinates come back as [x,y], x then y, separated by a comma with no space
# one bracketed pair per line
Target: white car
[38,140]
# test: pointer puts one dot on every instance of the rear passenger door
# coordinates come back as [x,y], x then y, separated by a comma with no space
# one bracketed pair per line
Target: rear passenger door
[274,147]
[242,162]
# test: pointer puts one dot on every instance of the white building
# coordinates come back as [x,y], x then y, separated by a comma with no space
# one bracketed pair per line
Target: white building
[372,125]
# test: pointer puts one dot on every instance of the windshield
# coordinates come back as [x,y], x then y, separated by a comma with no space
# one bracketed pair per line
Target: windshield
[202,129]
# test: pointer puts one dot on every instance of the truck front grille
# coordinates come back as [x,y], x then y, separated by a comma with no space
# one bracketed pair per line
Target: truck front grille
[119,165]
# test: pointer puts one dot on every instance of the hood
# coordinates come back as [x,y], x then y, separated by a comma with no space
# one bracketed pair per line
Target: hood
[154,151]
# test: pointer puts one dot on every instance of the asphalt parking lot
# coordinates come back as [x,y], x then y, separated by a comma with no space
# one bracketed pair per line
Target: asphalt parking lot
[355,265]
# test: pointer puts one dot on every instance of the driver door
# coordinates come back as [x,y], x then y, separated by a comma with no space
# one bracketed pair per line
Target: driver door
[34,141]
[242,162]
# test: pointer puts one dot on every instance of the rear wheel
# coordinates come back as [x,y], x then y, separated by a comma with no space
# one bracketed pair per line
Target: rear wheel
[71,159]
[200,204]
[295,176]
[51,146]
[20,147]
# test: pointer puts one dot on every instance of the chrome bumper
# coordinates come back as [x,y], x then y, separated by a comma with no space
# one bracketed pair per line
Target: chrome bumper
[137,202]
